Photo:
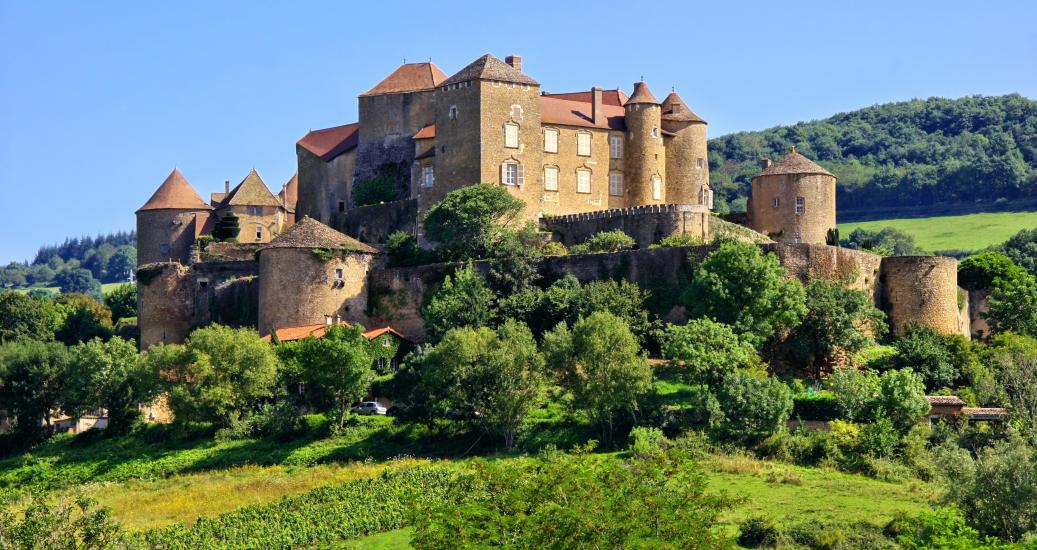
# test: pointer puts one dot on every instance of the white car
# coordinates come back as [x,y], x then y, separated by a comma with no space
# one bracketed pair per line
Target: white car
[369,407]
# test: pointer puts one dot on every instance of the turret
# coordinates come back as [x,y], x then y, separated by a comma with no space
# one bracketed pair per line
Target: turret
[644,154]
[793,200]
[169,221]
[687,164]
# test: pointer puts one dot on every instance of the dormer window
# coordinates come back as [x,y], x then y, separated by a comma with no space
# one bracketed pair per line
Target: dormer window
[511,135]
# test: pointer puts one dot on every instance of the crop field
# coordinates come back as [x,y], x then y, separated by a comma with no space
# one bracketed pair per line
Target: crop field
[970,232]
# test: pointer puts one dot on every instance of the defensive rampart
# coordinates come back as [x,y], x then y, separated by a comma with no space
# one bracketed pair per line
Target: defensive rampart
[646,224]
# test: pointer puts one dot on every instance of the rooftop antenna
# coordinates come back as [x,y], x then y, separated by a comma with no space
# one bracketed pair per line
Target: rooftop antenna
[404,60]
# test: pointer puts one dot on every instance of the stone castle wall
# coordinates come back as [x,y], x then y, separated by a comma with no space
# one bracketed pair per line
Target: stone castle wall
[687,163]
[157,229]
[374,223]
[566,200]
[225,292]
[646,224]
[457,143]
[386,147]
[165,303]
[923,290]
[500,103]
[978,308]
[228,252]
[324,187]
[781,222]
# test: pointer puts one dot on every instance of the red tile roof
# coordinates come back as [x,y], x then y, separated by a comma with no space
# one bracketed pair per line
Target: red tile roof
[175,193]
[375,333]
[642,94]
[674,108]
[985,413]
[409,77]
[331,142]
[793,163]
[945,400]
[488,67]
[291,334]
[578,113]
[310,233]
[426,132]
[608,97]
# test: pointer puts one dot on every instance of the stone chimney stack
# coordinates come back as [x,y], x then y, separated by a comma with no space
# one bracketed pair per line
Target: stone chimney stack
[226,186]
[597,116]
[515,61]
[765,163]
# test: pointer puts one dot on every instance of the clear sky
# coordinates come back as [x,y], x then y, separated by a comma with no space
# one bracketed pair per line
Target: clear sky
[100,100]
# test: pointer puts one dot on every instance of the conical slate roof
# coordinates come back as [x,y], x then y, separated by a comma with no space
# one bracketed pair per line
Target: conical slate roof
[793,163]
[642,94]
[488,67]
[310,233]
[252,191]
[674,108]
[175,193]
[409,77]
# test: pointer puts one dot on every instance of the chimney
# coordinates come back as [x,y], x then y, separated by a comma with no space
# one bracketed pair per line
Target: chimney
[284,195]
[226,186]
[765,163]
[597,116]
[515,61]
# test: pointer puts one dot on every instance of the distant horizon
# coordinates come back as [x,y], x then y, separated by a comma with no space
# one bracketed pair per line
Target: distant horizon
[102,103]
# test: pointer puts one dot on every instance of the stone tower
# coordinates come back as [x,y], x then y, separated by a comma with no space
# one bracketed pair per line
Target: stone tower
[921,290]
[644,153]
[169,222]
[311,272]
[793,200]
[687,164]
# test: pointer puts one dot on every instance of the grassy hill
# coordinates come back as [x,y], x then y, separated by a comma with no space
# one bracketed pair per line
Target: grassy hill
[973,150]
[971,232]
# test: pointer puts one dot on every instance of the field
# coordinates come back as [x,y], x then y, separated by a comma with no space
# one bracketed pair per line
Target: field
[970,232]
[106,288]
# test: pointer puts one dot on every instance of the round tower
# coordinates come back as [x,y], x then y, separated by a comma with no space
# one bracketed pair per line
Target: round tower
[310,273]
[921,290]
[793,200]
[644,157]
[169,222]
[687,164]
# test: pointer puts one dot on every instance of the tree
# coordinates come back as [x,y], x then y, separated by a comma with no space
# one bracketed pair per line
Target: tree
[336,369]
[997,491]
[220,374]
[78,280]
[704,351]
[514,260]
[1012,298]
[855,392]
[926,352]
[887,241]
[1013,358]
[753,404]
[374,190]
[605,241]
[838,319]
[32,375]
[46,525]
[82,318]
[600,362]
[122,301]
[227,228]
[902,398]
[739,286]
[122,263]
[980,271]
[1022,250]
[108,375]
[468,222]
[463,300]
[25,317]
[498,374]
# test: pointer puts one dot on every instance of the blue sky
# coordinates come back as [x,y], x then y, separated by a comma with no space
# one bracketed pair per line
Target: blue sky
[100,100]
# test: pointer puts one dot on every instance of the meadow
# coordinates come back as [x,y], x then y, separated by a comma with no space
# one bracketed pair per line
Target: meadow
[970,232]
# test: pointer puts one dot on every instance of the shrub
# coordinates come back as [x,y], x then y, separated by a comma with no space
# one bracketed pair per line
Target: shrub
[373,191]
[605,241]
[554,248]
[854,392]
[880,438]
[647,442]
[817,406]
[676,241]
[846,435]
[25,317]
[902,398]
[403,250]
[704,351]
[312,425]
[463,300]
[939,528]
[469,222]
[925,351]
[757,532]
[122,301]
[753,406]
[62,525]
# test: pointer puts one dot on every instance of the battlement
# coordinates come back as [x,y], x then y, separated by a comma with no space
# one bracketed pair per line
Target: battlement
[644,210]
[647,224]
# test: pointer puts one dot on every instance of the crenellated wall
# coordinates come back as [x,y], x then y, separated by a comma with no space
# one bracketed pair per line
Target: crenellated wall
[646,224]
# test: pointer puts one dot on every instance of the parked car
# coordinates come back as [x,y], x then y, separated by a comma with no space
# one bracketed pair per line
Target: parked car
[369,407]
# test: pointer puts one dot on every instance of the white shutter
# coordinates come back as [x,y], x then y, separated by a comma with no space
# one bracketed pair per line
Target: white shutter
[520,179]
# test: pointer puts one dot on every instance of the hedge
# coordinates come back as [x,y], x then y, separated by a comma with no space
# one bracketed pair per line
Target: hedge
[817,406]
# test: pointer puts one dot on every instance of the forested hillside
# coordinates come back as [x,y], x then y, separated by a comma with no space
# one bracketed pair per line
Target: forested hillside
[914,153]
[105,258]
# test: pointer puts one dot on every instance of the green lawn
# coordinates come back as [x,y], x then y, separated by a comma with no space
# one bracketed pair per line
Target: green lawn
[106,288]
[970,232]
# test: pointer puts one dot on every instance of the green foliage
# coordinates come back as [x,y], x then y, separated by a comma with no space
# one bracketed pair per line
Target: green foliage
[838,319]
[758,532]
[463,300]
[941,528]
[979,272]
[227,228]
[82,318]
[108,375]
[1013,359]
[752,405]
[63,524]
[324,254]
[854,392]
[469,222]
[647,442]
[25,317]
[926,352]
[740,286]
[600,362]
[220,374]
[78,281]
[704,351]
[906,153]
[888,241]
[514,262]
[816,406]
[374,190]
[677,241]
[902,398]
[1021,248]
[879,438]
[605,241]
[122,301]
[554,248]
[1013,304]
[32,374]
[403,250]
[564,501]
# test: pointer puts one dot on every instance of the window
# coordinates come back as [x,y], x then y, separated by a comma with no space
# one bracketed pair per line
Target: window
[339,276]
[657,188]
[341,206]
[655,132]
[163,249]
[583,181]
[550,178]
[428,176]
[511,135]
[615,147]
[259,232]
[550,140]
[511,173]
[706,197]
[776,202]
[699,163]
[616,184]
[801,205]
[255,211]
[452,113]
[583,144]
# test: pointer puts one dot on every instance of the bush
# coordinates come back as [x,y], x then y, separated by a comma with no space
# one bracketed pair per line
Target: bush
[403,250]
[313,425]
[817,406]
[854,393]
[902,398]
[757,532]
[554,248]
[880,438]
[753,406]
[463,300]
[63,525]
[939,528]
[704,351]
[605,241]
[647,442]
[373,191]
[676,241]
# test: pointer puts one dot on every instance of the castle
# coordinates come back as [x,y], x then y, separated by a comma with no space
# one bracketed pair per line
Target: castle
[581,162]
